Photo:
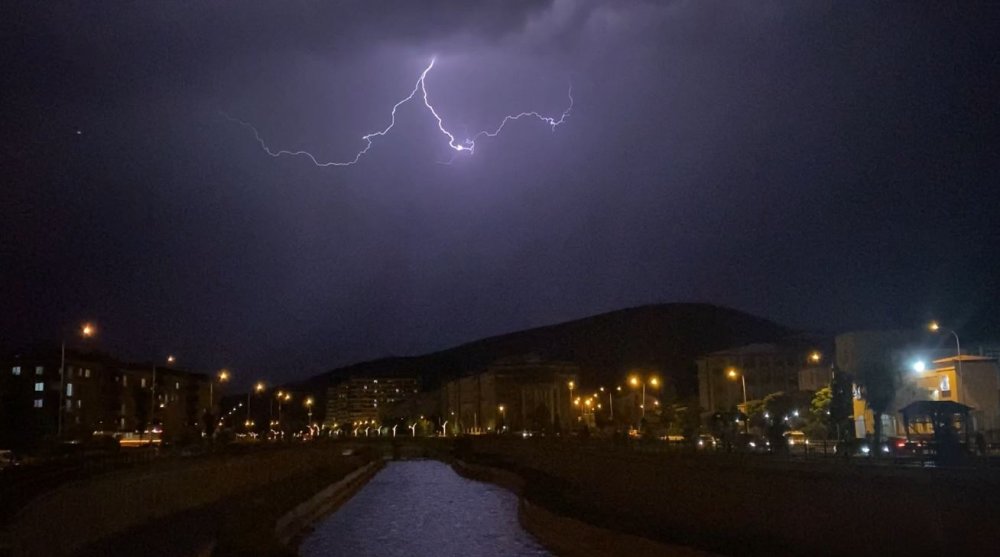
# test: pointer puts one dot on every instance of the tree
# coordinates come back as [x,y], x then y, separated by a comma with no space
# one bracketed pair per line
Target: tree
[841,402]
[878,383]
[817,425]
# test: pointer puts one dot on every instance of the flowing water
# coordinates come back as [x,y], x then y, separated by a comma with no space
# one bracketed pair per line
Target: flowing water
[423,508]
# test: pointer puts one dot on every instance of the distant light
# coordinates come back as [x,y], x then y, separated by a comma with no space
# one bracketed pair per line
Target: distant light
[919,366]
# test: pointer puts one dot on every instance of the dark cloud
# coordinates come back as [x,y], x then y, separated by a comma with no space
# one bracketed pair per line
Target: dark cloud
[821,166]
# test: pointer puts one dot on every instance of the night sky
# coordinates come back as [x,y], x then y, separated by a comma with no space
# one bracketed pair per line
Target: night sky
[828,168]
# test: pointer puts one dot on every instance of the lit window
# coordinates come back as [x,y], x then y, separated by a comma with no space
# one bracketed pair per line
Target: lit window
[39,370]
[142,382]
[945,384]
[124,380]
[177,385]
[16,370]
[38,403]
[69,389]
[39,387]
[79,403]
[86,372]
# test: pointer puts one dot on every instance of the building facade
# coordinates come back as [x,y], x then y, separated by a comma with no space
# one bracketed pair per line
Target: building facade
[922,370]
[361,400]
[511,395]
[765,368]
[98,395]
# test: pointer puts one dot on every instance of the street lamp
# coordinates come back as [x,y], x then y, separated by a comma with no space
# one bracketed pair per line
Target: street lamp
[309,408]
[87,330]
[733,374]
[815,357]
[934,327]
[222,377]
[503,417]
[282,398]
[152,396]
[258,388]
[635,381]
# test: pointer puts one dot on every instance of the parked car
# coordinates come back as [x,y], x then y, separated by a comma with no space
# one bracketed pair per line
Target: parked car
[860,447]
[796,439]
[707,442]
[748,442]
[7,459]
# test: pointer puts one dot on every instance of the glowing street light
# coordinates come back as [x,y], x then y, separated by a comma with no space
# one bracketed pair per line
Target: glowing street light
[258,388]
[221,377]
[171,360]
[815,357]
[919,366]
[934,327]
[733,374]
[87,330]
[635,381]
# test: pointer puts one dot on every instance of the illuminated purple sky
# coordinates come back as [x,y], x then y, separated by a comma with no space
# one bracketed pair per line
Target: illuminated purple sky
[822,167]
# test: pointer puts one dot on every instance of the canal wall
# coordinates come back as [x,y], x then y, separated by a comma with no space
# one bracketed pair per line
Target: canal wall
[293,525]
[78,518]
[754,505]
[564,535]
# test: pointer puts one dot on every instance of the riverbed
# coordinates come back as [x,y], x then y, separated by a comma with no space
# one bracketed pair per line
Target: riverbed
[423,508]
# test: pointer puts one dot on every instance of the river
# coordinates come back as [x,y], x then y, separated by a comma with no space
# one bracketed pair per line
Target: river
[423,508]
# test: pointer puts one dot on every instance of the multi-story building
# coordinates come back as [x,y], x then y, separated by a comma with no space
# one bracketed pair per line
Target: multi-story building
[764,368]
[362,399]
[98,395]
[922,370]
[514,394]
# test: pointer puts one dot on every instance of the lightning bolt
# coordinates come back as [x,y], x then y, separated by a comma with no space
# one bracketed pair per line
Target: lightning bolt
[467,146]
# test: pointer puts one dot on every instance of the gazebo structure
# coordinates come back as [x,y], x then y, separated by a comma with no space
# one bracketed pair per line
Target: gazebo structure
[940,416]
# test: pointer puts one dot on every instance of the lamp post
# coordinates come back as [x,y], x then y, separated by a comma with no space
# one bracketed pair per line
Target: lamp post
[258,388]
[87,330]
[282,399]
[222,377]
[733,374]
[635,381]
[309,410]
[503,418]
[934,327]
[152,396]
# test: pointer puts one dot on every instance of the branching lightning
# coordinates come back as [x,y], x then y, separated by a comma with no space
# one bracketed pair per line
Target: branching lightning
[467,146]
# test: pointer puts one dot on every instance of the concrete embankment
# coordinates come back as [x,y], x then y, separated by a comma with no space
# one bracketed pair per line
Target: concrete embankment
[567,536]
[113,514]
[293,525]
[753,505]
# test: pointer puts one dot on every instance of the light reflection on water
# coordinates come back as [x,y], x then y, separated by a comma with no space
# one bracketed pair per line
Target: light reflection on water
[423,508]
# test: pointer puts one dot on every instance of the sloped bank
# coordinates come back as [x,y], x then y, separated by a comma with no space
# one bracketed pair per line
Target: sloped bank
[564,535]
[296,523]
[207,503]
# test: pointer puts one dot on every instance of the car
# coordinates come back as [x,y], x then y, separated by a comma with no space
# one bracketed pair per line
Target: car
[7,459]
[748,442]
[707,442]
[860,447]
[796,440]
